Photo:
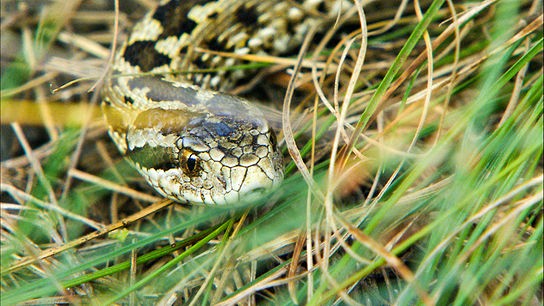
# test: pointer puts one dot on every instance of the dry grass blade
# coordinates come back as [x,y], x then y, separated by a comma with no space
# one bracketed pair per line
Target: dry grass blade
[286,117]
[103,231]
[412,139]
[391,259]
[112,186]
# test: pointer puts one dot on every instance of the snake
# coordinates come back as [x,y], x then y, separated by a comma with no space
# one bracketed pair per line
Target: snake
[166,102]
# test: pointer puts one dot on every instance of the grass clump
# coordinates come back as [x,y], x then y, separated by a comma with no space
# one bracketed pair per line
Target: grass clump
[413,144]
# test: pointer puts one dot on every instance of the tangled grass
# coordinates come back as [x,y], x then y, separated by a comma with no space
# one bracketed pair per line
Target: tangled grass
[413,147]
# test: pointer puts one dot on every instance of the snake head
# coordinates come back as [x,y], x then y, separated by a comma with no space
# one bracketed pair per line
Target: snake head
[212,157]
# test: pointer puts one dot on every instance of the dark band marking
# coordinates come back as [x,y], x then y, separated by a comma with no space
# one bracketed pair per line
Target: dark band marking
[128,100]
[200,64]
[144,55]
[248,16]
[216,45]
[173,17]
[322,8]
[213,15]
[161,90]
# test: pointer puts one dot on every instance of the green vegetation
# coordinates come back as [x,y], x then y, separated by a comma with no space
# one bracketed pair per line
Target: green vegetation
[430,192]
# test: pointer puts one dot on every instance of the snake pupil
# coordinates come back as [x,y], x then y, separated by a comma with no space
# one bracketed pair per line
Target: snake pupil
[191,163]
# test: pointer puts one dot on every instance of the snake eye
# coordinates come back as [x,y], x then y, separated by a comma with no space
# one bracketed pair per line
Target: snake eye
[190,161]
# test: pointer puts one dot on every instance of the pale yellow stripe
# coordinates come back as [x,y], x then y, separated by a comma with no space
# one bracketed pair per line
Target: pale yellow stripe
[64,114]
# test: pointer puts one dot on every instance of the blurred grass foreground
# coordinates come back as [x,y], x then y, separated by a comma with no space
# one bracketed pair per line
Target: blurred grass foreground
[412,139]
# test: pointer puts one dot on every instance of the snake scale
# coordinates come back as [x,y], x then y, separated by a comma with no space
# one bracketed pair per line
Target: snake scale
[191,141]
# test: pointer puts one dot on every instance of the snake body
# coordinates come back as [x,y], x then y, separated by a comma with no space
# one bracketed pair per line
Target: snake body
[194,144]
